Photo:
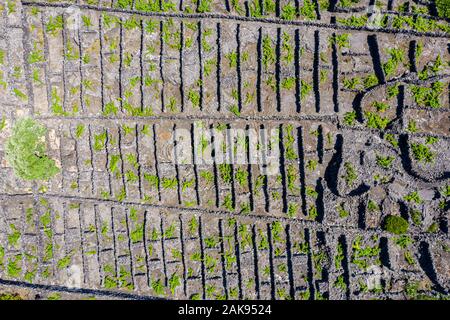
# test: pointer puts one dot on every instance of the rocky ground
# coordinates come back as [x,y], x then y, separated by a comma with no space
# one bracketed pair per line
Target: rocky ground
[356,111]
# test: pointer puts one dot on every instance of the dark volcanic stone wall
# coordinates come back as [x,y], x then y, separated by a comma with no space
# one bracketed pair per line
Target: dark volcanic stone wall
[356,98]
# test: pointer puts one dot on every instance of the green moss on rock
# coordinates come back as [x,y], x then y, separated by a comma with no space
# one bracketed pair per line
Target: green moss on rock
[396,224]
[26,151]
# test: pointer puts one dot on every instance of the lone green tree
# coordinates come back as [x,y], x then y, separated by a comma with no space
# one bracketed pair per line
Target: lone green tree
[26,151]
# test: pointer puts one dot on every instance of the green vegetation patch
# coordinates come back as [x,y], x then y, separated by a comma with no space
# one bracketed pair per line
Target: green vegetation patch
[396,224]
[428,96]
[422,153]
[10,296]
[26,151]
[443,8]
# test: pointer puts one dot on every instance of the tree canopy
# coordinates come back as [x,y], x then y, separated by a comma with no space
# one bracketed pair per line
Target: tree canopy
[26,151]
